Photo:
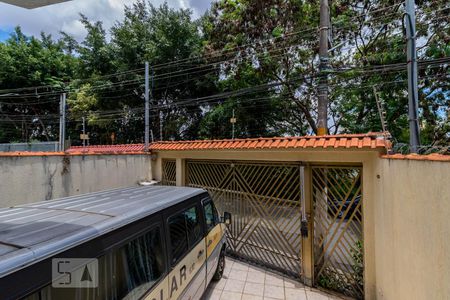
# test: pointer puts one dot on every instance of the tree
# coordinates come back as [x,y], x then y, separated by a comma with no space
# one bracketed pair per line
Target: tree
[162,35]
[258,58]
[270,38]
[279,39]
[31,62]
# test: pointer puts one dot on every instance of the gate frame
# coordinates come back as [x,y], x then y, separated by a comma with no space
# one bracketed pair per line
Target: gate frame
[305,278]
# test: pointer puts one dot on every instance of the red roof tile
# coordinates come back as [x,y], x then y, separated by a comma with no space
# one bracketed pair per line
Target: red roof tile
[343,141]
[429,157]
[71,153]
[107,149]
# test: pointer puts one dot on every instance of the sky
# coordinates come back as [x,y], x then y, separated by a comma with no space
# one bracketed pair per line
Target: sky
[65,16]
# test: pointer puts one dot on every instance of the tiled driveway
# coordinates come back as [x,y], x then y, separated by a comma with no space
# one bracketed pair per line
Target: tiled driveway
[245,282]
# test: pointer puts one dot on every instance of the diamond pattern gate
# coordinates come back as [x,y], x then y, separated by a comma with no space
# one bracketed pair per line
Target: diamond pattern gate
[264,199]
[338,238]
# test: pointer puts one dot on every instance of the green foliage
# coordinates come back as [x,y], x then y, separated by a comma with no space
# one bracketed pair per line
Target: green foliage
[358,264]
[351,283]
[83,102]
[28,62]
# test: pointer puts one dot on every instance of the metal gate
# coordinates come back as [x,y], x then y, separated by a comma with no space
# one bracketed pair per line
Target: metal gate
[338,238]
[169,172]
[264,199]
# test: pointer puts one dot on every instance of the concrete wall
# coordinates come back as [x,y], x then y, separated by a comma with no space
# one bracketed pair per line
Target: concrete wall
[26,179]
[412,229]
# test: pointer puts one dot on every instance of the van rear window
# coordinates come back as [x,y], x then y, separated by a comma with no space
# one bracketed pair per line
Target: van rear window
[127,272]
[185,232]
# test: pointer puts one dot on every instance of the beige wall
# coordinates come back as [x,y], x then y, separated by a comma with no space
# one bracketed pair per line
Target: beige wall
[36,178]
[412,229]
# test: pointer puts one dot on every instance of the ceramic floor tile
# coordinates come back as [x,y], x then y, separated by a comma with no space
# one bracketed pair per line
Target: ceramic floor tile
[246,282]
[226,295]
[238,275]
[272,279]
[234,286]
[256,277]
[273,291]
[251,297]
[256,289]
[291,283]
[294,294]
[314,295]
[211,294]
[240,266]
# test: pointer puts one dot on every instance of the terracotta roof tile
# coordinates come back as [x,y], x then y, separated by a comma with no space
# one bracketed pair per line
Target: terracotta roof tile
[302,143]
[343,141]
[366,142]
[72,153]
[283,143]
[429,157]
[259,143]
[379,142]
[107,148]
[354,142]
[240,144]
[319,143]
[291,143]
[275,143]
[306,143]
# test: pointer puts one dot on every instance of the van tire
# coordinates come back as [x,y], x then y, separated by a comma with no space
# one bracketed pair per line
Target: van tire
[220,266]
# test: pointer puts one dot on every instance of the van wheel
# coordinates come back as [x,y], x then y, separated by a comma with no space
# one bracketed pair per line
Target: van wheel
[220,266]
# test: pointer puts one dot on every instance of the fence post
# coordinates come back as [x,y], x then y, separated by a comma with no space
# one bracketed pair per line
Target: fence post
[181,181]
[307,242]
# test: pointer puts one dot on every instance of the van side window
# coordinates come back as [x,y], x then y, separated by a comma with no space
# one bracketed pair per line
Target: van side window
[144,260]
[211,215]
[127,272]
[185,231]
[194,227]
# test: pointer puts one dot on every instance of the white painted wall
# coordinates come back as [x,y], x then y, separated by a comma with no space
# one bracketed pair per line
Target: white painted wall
[36,178]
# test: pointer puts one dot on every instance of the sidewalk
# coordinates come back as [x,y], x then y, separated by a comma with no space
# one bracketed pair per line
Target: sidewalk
[245,282]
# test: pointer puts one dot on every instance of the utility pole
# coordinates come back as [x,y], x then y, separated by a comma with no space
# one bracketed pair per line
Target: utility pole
[147,107]
[322,107]
[413,94]
[233,121]
[161,115]
[62,121]
[84,133]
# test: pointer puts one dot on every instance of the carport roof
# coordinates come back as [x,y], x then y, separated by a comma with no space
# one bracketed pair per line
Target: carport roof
[372,140]
[30,4]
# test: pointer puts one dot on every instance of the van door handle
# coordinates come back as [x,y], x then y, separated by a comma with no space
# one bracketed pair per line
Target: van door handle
[200,253]
[209,242]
